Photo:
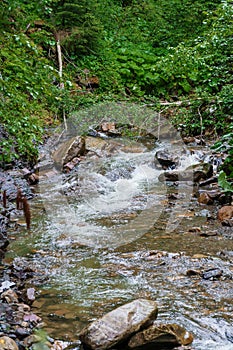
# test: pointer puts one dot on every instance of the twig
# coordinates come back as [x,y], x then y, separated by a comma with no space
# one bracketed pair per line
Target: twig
[201,122]
[4,199]
[27,212]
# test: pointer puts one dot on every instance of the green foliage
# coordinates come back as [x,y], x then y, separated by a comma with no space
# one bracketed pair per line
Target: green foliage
[225,144]
[77,26]
[25,88]
[173,50]
[222,181]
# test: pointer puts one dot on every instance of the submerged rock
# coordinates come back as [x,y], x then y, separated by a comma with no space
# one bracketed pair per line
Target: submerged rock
[119,324]
[161,334]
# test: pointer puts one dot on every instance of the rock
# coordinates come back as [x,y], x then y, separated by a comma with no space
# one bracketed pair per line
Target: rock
[33,318]
[31,294]
[108,126]
[225,198]
[176,175]
[208,234]
[6,285]
[119,324]
[7,343]
[31,339]
[213,179]
[201,171]
[194,229]
[228,223]
[204,198]
[10,296]
[193,173]
[119,173]
[212,274]
[225,213]
[11,186]
[189,139]
[44,166]
[70,149]
[22,332]
[161,334]
[3,238]
[72,164]
[192,272]
[95,145]
[166,159]
[33,179]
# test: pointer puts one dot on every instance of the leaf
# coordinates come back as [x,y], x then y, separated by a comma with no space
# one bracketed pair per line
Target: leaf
[222,181]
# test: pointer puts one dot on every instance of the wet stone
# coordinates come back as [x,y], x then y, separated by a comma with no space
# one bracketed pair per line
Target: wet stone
[160,334]
[166,159]
[119,324]
[212,274]
[22,332]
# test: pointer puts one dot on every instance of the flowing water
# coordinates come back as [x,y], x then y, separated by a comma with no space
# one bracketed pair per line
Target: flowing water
[112,232]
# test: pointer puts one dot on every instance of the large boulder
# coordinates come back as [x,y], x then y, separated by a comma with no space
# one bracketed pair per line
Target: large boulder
[117,325]
[161,334]
[68,150]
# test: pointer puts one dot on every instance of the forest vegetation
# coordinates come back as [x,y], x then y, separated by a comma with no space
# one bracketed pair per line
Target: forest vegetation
[176,53]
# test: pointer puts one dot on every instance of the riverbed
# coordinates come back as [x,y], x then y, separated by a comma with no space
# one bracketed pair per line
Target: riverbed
[110,232]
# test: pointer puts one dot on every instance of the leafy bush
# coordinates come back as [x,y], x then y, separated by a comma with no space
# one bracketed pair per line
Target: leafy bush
[144,50]
[25,92]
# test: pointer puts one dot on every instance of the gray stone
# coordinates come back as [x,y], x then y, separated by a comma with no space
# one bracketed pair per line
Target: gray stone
[119,324]
[159,334]
[70,149]
[166,159]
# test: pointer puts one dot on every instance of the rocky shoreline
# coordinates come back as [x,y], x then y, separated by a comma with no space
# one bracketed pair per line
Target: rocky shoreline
[17,321]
